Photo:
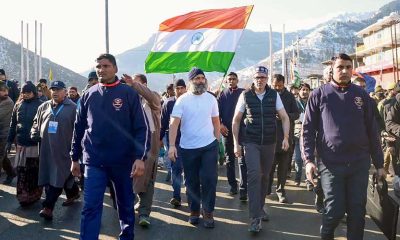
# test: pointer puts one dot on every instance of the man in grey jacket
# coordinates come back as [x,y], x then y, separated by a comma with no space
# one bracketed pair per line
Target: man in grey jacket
[6,107]
[53,127]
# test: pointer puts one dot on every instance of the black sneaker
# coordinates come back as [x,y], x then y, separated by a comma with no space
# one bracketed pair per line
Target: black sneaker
[243,198]
[233,191]
[9,179]
[175,202]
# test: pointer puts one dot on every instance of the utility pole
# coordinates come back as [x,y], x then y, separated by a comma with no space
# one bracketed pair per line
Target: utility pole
[107,35]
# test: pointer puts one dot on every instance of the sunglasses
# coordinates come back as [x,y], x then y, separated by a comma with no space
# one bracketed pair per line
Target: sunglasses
[258,78]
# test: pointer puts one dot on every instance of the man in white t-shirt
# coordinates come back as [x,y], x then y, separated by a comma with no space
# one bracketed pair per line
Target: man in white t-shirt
[197,113]
[260,104]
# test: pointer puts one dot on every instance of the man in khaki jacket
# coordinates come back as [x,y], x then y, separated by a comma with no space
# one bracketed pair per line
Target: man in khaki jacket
[144,186]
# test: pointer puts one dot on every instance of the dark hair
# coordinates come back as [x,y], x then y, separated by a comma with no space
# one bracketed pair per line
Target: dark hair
[107,56]
[143,78]
[279,77]
[42,80]
[3,86]
[342,56]
[170,86]
[305,85]
[232,74]
[73,88]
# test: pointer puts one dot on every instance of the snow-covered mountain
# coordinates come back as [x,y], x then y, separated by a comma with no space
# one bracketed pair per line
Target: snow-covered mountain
[10,61]
[322,42]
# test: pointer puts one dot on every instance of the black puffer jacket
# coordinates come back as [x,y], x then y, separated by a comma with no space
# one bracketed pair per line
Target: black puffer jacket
[290,104]
[22,120]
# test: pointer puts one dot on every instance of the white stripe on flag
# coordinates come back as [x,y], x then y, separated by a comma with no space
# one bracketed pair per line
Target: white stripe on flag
[199,40]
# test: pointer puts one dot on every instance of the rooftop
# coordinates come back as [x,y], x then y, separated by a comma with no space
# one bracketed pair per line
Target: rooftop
[381,23]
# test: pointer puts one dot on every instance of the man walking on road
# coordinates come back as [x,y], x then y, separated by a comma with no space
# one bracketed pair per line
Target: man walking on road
[226,104]
[6,109]
[177,167]
[282,158]
[52,127]
[112,133]
[261,104]
[197,112]
[144,186]
[340,125]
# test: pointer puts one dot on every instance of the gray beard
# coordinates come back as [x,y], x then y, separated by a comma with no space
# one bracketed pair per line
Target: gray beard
[198,89]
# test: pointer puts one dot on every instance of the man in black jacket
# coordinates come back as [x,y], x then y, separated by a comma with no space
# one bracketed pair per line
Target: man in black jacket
[281,156]
[13,91]
[226,105]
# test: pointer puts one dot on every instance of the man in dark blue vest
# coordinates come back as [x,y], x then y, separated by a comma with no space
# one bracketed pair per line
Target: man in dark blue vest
[261,104]
[340,127]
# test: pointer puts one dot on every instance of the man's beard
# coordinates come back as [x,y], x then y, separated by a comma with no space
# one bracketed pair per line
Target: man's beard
[3,98]
[198,88]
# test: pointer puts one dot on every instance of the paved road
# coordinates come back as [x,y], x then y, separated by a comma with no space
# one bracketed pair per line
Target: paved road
[297,220]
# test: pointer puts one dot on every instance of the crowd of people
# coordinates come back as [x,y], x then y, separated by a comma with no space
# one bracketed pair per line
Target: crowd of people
[118,126]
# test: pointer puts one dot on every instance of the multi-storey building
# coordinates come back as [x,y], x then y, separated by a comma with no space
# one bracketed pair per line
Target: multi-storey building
[377,55]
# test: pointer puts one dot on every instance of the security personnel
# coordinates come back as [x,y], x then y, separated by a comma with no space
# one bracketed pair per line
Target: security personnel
[340,126]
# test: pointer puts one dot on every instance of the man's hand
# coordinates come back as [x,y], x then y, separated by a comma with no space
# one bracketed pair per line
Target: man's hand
[172,153]
[238,150]
[75,169]
[224,130]
[381,173]
[285,144]
[137,168]
[311,171]
[128,79]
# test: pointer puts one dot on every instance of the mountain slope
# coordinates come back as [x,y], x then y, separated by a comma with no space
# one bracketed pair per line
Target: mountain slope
[10,61]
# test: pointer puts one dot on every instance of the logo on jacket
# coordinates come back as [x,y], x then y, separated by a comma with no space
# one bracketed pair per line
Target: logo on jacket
[117,103]
[359,102]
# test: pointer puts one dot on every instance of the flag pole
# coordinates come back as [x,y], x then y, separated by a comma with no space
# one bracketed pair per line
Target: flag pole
[35,60]
[27,52]
[22,53]
[40,51]
[283,52]
[270,53]
[107,32]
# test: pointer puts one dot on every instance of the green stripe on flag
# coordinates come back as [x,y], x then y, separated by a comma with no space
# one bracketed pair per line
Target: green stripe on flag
[167,62]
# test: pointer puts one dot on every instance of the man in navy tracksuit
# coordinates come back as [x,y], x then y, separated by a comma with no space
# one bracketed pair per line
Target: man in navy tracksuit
[340,125]
[176,166]
[111,131]
[226,104]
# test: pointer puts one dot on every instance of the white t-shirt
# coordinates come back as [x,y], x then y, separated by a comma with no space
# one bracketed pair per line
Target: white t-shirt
[241,106]
[195,112]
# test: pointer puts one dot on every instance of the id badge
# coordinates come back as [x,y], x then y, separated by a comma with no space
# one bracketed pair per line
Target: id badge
[53,127]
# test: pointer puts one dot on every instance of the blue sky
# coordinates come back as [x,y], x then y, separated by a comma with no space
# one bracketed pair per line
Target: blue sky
[73,30]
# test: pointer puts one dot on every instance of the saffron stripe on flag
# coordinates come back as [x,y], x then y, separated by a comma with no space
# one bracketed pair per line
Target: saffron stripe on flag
[208,39]
[230,18]
[169,62]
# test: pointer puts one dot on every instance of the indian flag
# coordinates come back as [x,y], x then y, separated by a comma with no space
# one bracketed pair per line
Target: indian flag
[206,39]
